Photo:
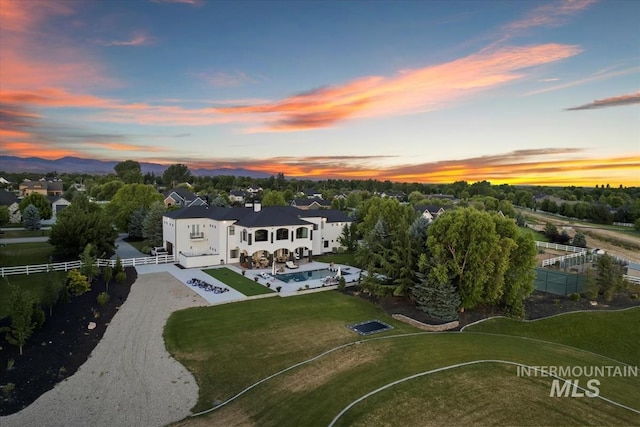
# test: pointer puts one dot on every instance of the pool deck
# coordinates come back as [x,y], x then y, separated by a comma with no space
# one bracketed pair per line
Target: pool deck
[351,274]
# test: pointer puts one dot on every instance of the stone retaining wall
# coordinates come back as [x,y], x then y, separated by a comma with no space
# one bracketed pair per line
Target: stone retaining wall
[424,326]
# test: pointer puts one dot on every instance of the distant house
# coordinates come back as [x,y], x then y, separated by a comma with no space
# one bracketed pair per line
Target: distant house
[254,237]
[633,269]
[182,197]
[312,193]
[450,197]
[237,196]
[398,195]
[13,203]
[4,181]
[254,190]
[58,204]
[46,188]
[430,212]
[309,204]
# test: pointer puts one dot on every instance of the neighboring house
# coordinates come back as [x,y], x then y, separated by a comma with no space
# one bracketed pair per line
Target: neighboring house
[633,269]
[309,204]
[398,195]
[237,196]
[312,194]
[254,190]
[182,197]
[58,204]
[207,235]
[430,212]
[46,188]
[4,181]
[13,203]
[450,197]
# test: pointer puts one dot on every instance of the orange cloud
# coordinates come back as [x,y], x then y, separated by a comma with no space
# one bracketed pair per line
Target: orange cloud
[408,92]
[610,102]
[550,15]
[29,149]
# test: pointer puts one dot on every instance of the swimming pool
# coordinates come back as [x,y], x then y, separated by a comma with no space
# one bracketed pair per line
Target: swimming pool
[303,276]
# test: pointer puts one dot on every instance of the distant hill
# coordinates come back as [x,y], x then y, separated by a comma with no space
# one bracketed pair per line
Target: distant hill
[91,166]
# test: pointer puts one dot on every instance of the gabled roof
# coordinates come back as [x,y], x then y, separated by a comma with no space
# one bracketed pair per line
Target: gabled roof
[7,198]
[237,193]
[309,202]
[432,209]
[183,193]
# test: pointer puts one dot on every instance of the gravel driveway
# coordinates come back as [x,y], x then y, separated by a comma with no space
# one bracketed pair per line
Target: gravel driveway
[129,379]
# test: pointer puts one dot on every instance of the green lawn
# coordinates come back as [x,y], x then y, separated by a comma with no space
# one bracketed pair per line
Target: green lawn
[25,253]
[238,282]
[601,332]
[140,244]
[345,259]
[537,235]
[33,283]
[230,347]
[23,233]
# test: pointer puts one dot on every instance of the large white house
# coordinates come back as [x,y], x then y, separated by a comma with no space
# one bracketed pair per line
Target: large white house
[254,237]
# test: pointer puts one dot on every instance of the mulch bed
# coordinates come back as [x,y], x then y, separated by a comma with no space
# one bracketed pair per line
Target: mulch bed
[60,347]
[538,305]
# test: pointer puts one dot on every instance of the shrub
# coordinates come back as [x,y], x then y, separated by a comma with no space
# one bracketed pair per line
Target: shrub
[146,250]
[102,298]
[37,317]
[10,364]
[575,296]
[121,277]
[8,388]
[342,283]
[278,288]
[77,283]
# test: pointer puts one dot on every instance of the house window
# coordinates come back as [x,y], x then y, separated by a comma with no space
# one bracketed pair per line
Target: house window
[232,230]
[326,243]
[282,234]
[261,235]
[302,233]
[315,226]
[234,253]
[244,236]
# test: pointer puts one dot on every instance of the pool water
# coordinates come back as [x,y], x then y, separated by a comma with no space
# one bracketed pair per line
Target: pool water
[370,327]
[303,276]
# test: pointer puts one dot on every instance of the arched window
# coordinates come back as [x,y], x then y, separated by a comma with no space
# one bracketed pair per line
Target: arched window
[302,233]
[261,235]
[282,234]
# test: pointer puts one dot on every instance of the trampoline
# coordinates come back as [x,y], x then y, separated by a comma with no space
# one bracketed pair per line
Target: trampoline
[370,327]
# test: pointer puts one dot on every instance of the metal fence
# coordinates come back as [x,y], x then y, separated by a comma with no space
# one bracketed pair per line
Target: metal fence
[558,282]
[70,265]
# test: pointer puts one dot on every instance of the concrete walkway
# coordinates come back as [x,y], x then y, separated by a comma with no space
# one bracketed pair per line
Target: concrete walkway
[125,250]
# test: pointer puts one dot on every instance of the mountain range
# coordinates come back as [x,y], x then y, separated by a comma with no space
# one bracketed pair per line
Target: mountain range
[91,166]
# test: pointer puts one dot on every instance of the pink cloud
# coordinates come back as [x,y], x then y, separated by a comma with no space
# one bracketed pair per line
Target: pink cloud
[550,15]
[138,40]
[408,92]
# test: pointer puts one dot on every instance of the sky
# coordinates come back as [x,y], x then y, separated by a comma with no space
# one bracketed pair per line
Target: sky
[517,92]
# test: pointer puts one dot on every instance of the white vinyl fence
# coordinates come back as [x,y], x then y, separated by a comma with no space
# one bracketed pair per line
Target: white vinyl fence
[558,247]
[70,265]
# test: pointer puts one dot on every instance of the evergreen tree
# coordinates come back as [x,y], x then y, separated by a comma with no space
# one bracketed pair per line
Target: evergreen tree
[438,300]
[136,221]
[31,218]
[579,240]
[521,221]
[152,225]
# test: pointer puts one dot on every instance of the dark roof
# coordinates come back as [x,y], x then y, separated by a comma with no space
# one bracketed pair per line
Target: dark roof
[270,216]
[182,192]
[433,209]
[332,215]
[7,198]
[309,202]
[237,193]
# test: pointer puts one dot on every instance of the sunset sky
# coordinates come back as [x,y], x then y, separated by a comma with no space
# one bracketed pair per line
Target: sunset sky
[522,92]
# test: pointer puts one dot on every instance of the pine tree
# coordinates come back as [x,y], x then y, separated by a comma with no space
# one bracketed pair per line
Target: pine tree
[31,218]
[439,300]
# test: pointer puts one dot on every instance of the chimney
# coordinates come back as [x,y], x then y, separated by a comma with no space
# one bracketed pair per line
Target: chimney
[257,206]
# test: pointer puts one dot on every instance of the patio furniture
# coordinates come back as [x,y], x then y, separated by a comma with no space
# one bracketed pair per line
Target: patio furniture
[291,265]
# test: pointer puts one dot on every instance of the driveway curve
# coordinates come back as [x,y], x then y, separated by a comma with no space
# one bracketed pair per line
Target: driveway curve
[129,379]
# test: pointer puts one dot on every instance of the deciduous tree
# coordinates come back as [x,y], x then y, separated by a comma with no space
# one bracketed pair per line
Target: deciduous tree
[129,171]
[176,174]
[21,313]
[129,198]
[40,202]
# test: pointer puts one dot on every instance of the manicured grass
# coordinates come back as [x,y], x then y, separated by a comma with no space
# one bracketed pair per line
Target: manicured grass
[230,347]
[33,283]
[140,244]
[537,235]
[605,333]
[238,282]
[25,254]
[345,259]
[23,233]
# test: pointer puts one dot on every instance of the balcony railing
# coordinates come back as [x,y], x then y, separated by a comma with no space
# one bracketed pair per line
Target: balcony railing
[196,236]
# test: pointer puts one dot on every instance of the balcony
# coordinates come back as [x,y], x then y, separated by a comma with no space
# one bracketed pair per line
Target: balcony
[196,236]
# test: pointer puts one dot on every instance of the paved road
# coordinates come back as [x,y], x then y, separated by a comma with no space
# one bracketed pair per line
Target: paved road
[125,250]
[24,240]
